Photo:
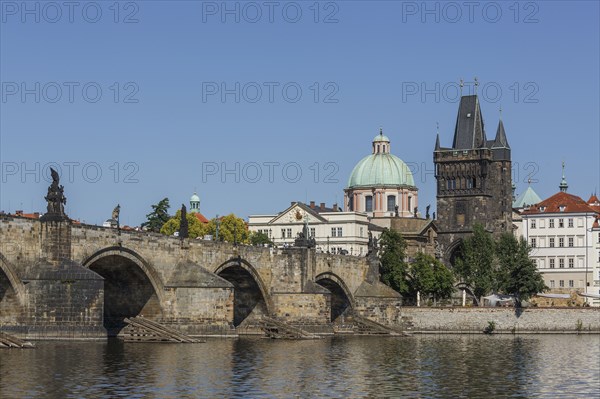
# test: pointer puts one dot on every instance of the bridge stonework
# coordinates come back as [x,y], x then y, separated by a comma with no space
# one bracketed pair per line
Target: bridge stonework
[203,287]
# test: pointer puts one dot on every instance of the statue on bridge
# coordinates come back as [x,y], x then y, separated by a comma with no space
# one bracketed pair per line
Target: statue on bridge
[116,212]
[427,211]
[56,199]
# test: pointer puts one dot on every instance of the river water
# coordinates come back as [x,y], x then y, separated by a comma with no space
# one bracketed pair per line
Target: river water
[451,366]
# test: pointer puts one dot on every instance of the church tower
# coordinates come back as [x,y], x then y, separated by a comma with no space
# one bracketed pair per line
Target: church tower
[474,183]
[194,203]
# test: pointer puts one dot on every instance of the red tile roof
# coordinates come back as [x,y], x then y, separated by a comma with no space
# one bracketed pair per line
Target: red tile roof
[201,217]
[593,201]
[570,202]
[35,215]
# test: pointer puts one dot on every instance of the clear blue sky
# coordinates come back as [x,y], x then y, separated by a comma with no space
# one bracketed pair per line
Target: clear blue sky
[544,56]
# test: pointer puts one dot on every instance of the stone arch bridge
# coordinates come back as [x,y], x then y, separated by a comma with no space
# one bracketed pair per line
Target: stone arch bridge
[68,280]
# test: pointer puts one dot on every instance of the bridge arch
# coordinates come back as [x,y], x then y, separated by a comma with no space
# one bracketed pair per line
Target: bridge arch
[251,296]
[132,286]
[13,280]
[342,299]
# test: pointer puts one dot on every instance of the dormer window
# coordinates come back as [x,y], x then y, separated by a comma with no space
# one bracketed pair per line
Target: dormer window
[562,208]
[542,208]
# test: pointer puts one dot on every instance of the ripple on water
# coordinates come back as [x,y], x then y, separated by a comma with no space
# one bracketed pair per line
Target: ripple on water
[547,366]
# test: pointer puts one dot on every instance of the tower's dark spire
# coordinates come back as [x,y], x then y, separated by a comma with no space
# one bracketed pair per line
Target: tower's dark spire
[563,186]
[469,132]
[501,141]
[437,137]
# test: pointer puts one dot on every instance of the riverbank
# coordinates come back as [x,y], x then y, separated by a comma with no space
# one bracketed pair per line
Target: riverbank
[468,320]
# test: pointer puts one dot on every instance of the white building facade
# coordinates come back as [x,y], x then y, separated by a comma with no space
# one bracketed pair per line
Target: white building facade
[560,230]
[333,230]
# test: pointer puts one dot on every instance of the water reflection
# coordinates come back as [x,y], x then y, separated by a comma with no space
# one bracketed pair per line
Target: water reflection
[424,366]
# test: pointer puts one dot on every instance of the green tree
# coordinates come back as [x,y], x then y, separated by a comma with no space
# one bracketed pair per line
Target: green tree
[430,277]
[392,256]
[517,274]
[158,217]
[195,227]
[444,280]
[257,238]
[228,225]
[420,276]
[475,263]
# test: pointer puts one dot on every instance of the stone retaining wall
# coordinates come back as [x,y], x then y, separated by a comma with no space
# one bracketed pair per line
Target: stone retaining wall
[534,320]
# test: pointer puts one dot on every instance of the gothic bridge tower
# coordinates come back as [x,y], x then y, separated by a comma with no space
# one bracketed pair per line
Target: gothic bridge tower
[473,180]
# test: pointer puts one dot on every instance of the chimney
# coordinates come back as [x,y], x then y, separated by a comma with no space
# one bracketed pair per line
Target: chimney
[312,204]
[322,206]
[335,208]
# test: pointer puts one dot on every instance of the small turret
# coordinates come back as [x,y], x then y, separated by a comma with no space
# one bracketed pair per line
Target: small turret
[563,186]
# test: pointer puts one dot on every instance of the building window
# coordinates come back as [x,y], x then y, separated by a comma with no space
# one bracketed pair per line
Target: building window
[561,223]
[571,263]
[410,204]
[571,222]
[451,184]
[391,203]
[561,242]
[339,232]
[561,263]
[571,284]
[571,242]
[542,264]
[333,232]
[289,233]
[551,223]
[533,224]
[552,285]
[282,233]
[369,203]
[561,283]
[551,263]
[551,242]
[533,243]
[312,232]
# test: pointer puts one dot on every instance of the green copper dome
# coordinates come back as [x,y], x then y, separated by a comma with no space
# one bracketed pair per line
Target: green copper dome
[380,170]
[527,198]
[380,137]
